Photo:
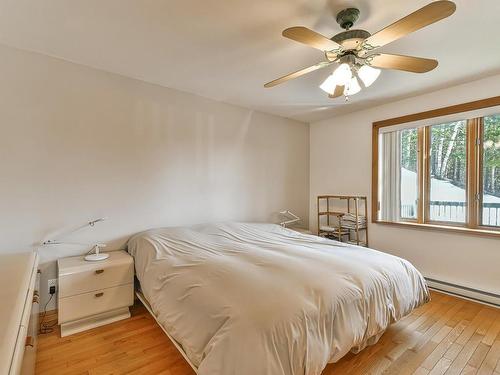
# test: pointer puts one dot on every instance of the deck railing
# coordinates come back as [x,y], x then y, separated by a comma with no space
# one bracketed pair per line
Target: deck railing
[455,212]
[491,214]
[447,211]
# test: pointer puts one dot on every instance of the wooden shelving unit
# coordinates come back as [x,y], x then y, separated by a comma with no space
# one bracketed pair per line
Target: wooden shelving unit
[349,225]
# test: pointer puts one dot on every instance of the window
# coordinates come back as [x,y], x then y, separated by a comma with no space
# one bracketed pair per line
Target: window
[447,171]
[490,201]
[440,169]
[408,170]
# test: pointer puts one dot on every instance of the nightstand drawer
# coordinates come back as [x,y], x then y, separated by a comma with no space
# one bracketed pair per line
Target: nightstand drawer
[96,302]
[101,277]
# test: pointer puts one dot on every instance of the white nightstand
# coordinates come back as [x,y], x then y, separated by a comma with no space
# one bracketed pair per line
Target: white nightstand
[92,294]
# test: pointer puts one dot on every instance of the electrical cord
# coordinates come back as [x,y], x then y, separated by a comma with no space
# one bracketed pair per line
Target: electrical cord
[45,327]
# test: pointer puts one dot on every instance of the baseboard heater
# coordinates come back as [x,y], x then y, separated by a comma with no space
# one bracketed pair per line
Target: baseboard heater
[465,292]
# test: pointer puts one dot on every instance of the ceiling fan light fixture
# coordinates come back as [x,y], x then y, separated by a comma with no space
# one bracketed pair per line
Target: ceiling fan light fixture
[368,75]
[352,49]
[352,87]
[340,77]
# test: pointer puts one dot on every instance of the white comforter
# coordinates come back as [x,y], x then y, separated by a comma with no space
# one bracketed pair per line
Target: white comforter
[258,299]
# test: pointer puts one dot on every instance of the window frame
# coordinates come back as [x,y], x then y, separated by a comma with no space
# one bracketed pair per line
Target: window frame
[474,166]
[427,180]
[419,169]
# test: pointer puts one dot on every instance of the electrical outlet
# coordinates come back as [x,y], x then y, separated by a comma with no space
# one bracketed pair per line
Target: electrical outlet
[52,283]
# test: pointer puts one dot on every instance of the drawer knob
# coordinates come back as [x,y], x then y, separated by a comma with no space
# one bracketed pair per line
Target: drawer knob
[29,341]
[97,272]
[99,294]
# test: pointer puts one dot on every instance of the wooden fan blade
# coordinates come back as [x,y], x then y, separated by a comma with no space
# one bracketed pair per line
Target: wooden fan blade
[401,62]
[304,35]
[298,73]
[425,16]
[339,91]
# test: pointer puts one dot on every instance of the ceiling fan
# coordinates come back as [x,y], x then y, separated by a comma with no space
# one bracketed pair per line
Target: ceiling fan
[354,49]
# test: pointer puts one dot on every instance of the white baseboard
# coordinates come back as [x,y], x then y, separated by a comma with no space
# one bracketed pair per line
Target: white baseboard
[465,292]
[94,321]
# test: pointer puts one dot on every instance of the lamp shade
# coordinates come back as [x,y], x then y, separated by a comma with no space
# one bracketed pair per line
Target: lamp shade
[353,87]
[368,74]
[340,77]
[328,85]
[342,74]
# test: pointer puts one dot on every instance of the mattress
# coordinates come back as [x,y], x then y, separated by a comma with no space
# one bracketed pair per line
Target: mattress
[250,299]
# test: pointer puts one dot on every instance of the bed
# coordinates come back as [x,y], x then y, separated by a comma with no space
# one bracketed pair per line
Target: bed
[246,299]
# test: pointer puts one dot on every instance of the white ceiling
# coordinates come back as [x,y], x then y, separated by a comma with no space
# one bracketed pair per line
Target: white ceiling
[227,49]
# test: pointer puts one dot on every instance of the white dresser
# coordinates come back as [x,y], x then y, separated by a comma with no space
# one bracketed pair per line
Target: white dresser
[92,294]
[18,313]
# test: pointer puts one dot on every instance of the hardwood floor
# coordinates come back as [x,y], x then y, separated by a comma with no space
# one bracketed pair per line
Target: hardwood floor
[446,336]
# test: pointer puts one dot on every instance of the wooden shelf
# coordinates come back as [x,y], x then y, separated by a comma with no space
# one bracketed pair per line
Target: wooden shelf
[333,213]
[334,218]
[360,227]
[333,235]
[333,229]
[341,196]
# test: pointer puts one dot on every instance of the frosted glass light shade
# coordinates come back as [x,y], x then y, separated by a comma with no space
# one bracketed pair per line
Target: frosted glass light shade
[352,88]
[342,74]
[340,77]
[328,85]
[368,74]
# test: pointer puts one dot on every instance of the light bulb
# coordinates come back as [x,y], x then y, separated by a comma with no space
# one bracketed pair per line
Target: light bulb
[352,88]
[340,77]
[368,74]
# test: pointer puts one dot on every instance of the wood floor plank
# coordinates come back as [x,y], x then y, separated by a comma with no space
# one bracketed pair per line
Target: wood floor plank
[484,327]
[490,362]
[490,336]
[453,351]
[473,326]
[412,338]
[446,336]
[441,366]
[436,327]
[421,371]
[411,360]
[444,346]
[469,370]
[465,354]
[479,355]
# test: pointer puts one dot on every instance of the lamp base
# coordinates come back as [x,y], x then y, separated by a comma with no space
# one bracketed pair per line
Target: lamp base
[96,257]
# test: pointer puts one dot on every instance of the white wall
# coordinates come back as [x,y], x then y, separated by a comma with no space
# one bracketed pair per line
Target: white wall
[346,169]
[78,143]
